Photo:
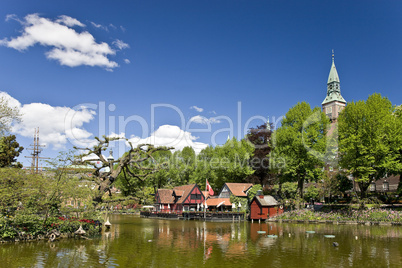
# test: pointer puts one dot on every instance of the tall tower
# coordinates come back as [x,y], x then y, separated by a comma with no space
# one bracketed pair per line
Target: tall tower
[334,102]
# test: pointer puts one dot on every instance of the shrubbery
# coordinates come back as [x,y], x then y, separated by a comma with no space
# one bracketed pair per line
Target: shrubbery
[371,215]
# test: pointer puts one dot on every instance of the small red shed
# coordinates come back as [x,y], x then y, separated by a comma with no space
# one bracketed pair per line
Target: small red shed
[263,207]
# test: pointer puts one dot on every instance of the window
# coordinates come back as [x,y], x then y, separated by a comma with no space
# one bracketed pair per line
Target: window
[196,196]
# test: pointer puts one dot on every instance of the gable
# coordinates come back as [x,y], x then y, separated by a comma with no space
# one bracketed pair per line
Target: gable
[192,194]
[239,189]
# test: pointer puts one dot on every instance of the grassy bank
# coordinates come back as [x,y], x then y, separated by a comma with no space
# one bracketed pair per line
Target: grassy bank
[370,215]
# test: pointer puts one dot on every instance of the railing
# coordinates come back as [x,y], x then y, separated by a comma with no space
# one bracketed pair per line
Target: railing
[196,215]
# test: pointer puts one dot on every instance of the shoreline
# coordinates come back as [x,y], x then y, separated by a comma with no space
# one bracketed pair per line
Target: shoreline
[368,223]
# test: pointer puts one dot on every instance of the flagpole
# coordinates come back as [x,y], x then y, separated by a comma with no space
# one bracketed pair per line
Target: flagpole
[205,200]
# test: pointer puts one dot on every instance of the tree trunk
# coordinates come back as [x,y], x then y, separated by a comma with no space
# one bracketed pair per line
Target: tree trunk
[300,184]
[363,189]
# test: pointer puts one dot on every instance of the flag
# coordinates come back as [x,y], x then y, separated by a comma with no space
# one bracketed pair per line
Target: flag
[209,189]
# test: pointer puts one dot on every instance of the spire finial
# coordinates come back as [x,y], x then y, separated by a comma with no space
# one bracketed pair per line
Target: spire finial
[333,55]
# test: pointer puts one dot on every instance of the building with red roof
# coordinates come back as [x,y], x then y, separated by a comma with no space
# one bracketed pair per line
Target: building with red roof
[180,198]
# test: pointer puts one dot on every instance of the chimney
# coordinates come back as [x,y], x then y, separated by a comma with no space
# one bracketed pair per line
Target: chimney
[260,194]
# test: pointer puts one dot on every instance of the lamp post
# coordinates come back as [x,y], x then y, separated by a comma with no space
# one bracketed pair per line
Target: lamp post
[385,186]
[110,159]
[372,187]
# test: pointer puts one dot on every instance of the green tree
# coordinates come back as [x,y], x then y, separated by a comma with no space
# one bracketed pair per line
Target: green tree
[260,138]
[9,151]
[396,145]
[8,115]
[14,190]
[253,191]
[366,133]
[289,190]
[226,163]
[301,142]
[311,193]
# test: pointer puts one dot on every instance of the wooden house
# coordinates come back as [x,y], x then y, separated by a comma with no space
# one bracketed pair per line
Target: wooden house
[180,198]
[188,197]
[263,207]
[164,200]
[236,189]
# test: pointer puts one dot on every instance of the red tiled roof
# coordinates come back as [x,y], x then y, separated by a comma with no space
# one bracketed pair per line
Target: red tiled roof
[213,202]
[165,196]
[186,191]
[178,192]
[239,189]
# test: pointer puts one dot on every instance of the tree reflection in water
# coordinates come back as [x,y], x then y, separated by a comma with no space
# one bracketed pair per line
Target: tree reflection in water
[139,242]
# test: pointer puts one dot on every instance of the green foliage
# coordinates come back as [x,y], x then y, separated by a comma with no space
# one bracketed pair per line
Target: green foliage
[289,190]
[8,115]
[140,188]
[226,163]
[301,143]
[243,201]
[260,162]
[343,183]
[29,202]
[311,193]
[9,151]
[253,191]
[368,139]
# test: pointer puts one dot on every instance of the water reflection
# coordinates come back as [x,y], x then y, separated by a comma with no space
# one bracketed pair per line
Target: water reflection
[137,242]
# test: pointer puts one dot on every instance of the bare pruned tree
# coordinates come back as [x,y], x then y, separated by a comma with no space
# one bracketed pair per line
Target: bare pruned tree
[107,171]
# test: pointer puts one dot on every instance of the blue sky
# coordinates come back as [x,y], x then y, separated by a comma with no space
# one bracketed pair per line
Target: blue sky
[130,56]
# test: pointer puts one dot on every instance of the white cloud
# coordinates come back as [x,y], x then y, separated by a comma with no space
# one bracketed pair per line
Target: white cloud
[198,109]
[66,20]
[13,17]
[170,136]
[122,29]
[199,119]
[127,61]
[68,47]
[57,125]
[99,26]
[120,44]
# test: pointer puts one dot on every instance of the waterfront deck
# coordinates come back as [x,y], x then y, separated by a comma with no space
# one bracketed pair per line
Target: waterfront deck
[192,215]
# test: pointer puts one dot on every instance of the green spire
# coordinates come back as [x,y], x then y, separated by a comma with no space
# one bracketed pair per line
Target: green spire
[333,85]
[333,74]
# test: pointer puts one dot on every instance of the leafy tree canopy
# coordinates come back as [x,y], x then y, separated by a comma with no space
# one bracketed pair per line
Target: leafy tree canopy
[9,151]
[369,138]
[301,142]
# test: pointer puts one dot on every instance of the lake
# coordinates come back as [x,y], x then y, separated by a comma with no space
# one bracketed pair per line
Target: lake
[139,242]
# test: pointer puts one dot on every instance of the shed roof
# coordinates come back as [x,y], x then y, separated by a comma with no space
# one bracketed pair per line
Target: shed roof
[266,200]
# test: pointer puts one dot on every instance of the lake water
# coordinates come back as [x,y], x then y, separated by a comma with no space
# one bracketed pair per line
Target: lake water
[139,242]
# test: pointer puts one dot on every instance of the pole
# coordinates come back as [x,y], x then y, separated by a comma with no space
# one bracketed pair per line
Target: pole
[205,203]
